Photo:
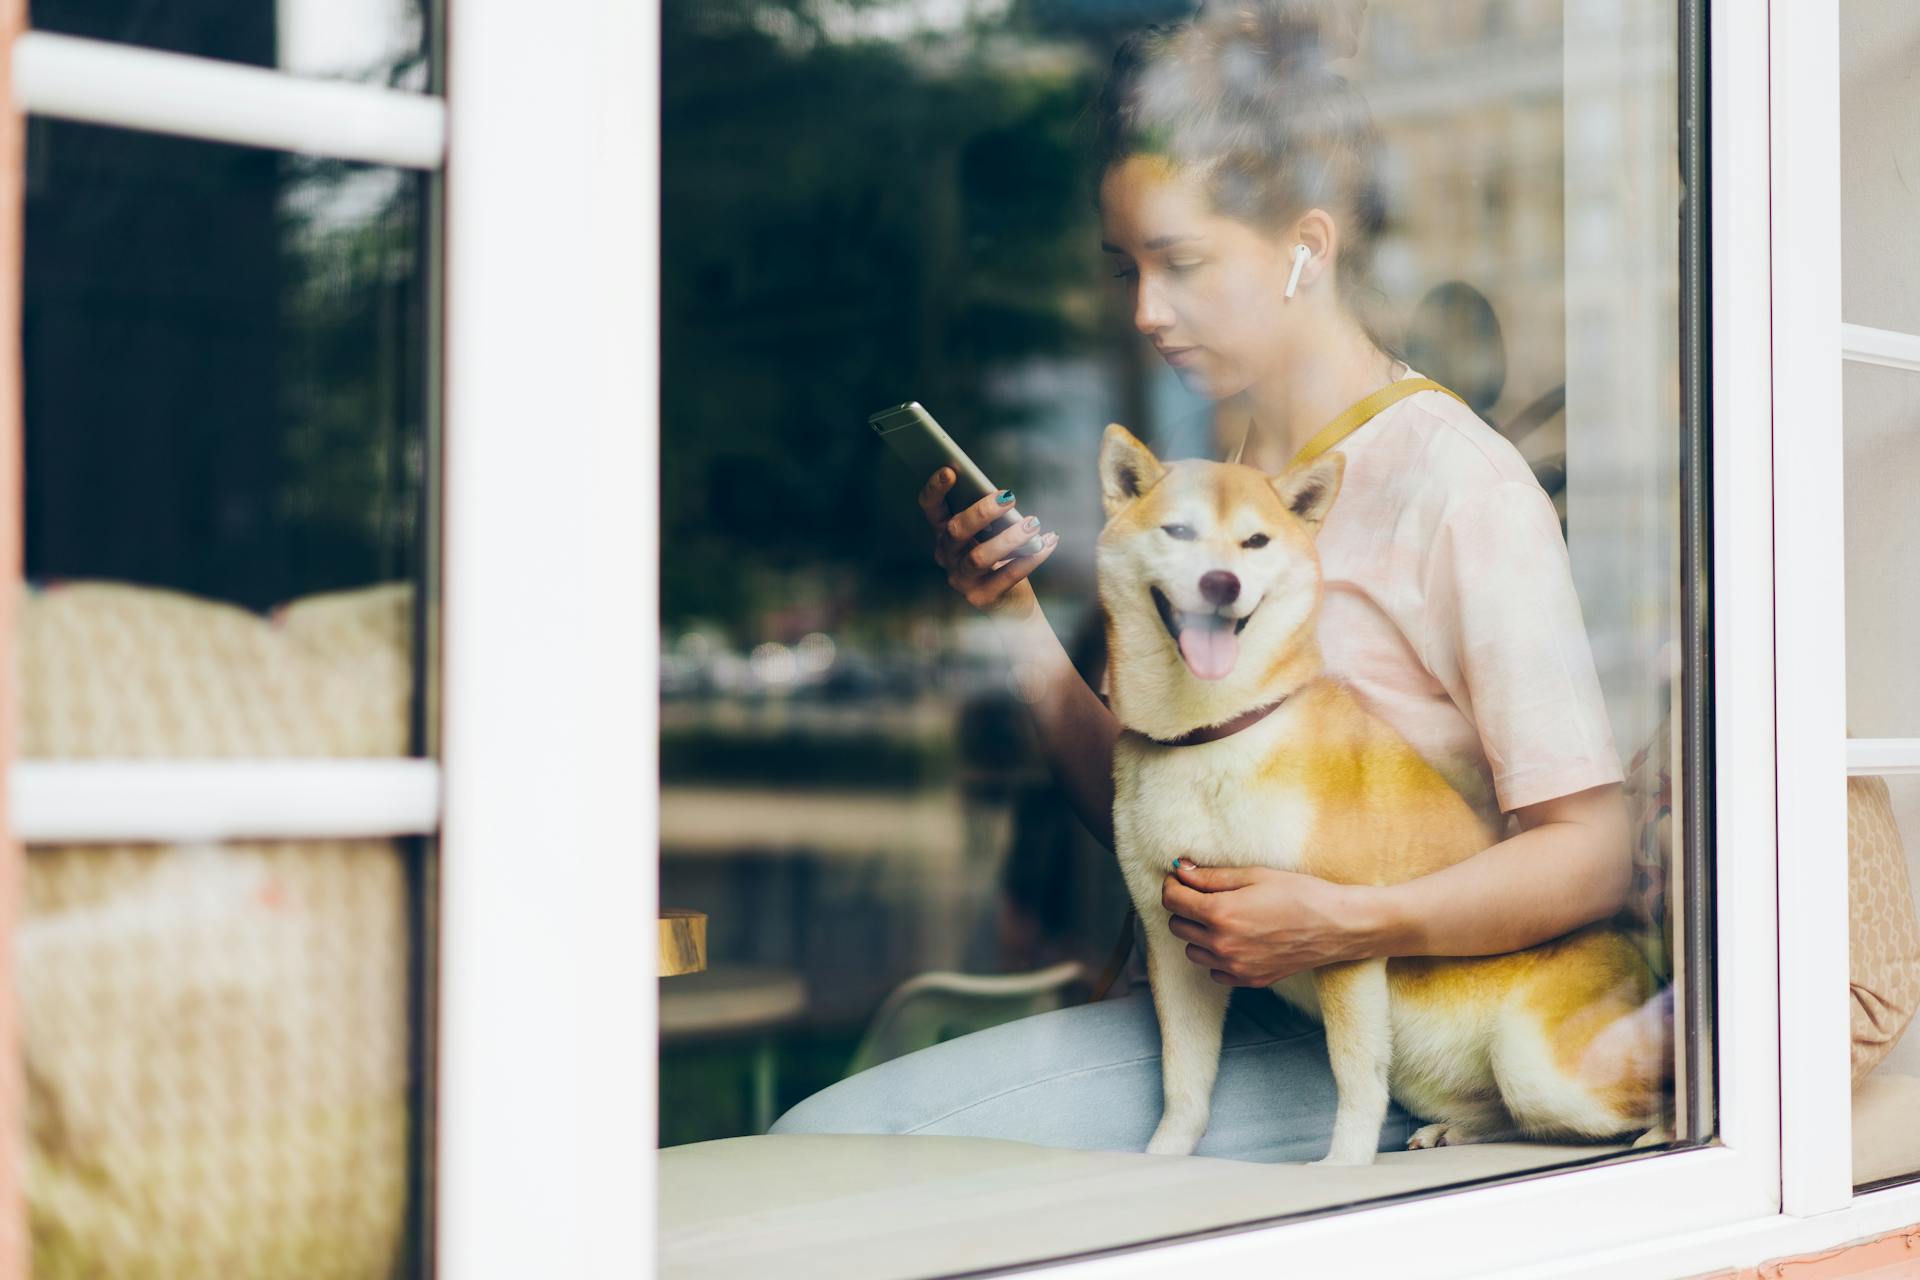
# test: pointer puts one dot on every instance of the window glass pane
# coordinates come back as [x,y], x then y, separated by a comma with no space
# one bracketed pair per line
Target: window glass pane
[893,802]
[219,1061]
[1883,612]
[1883,701]
[1879,155]
[1881,289]
[377,41]
[225,381]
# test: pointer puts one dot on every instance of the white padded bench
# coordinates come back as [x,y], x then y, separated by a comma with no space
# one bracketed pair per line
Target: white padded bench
[857,1207]
[860,1207]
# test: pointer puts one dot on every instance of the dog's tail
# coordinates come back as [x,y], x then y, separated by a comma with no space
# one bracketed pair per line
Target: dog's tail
[1632,1056]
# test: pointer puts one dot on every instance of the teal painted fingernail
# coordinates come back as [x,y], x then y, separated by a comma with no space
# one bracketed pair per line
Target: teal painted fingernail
[1006,496]
[1176,863]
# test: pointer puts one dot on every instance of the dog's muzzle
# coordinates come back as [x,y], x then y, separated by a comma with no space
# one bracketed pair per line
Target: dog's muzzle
[1174,619]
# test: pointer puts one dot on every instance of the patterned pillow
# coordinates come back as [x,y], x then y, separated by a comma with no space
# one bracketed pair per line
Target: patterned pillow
[113,669]
[216,1037]
[1883,932]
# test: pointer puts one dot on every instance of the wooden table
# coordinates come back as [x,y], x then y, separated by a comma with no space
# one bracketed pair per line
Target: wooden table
[728,1000]
[738,1001]
[683,941]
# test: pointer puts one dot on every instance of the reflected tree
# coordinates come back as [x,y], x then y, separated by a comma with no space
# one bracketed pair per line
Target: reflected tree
[850,223]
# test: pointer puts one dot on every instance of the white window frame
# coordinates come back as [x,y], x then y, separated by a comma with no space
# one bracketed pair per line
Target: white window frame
[1809,553]
[548,784]
[1543,1222]
[1811,345]
[99,82]
[1779,1180]
[115,801]
[192,800]
[545,1048]
[550,656]
[545,1051]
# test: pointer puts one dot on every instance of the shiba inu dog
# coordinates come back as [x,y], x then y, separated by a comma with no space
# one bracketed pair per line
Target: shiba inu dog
[1235,745]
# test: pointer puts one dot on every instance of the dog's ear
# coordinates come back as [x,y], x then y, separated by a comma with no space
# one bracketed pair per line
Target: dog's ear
[1127,468]
[1309,491]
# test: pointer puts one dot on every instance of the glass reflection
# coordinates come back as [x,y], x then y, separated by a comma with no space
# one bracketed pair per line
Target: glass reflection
[225,381]
[887,793]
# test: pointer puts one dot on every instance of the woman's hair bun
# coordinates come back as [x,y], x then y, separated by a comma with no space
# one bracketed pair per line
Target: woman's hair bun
[1242,98]
[1292,35]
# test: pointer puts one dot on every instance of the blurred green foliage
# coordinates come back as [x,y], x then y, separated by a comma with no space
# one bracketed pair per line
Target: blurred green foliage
[353,375]
[848,224]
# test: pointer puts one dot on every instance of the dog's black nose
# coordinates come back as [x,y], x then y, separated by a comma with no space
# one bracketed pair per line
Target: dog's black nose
[1219,587]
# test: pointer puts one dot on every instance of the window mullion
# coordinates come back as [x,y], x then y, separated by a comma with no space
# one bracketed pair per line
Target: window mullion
[548,889]
[123,801]
[1882,757]
[100,82]
[1863,344]
[1810,609]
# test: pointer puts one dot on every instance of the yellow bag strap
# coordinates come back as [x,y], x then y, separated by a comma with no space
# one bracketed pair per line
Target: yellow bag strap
[1359,414]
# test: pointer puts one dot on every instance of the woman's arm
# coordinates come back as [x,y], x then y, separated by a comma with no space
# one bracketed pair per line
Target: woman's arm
[1569,865]
[1076,730]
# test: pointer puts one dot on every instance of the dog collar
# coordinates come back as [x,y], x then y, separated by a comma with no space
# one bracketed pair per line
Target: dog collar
[1225,729]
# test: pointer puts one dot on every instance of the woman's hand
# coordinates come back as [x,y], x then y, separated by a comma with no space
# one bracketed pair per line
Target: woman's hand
[977,572]
[1252,926]
[1569,865]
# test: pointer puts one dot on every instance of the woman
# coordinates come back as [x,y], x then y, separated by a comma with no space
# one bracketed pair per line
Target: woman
[1226,145]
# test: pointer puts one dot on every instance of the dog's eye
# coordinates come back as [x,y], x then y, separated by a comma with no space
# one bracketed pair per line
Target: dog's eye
[1182,531]
[1257,540]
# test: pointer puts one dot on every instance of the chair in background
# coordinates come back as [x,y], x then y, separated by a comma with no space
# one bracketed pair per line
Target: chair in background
[931,1007]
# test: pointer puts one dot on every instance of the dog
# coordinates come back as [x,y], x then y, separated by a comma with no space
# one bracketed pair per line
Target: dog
[1234,744]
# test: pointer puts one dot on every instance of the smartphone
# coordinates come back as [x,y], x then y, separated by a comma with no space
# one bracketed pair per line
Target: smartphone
[920,443]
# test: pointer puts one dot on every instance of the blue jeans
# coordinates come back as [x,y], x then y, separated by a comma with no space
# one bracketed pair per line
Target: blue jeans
[1088,1077]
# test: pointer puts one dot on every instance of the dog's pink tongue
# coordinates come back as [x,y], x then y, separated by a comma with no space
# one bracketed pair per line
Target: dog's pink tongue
[1209,651]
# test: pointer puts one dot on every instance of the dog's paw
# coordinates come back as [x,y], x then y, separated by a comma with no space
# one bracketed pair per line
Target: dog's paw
[1658,1136]
[1175,1139]
[1439,1135]
[1348,1161]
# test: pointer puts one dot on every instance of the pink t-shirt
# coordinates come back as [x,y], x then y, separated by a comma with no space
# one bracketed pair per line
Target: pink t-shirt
[1450,609]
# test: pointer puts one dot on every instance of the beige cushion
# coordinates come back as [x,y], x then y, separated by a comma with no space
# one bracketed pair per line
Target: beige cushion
[1886,1127]
[859,1207]
[114,669]
[1883,968]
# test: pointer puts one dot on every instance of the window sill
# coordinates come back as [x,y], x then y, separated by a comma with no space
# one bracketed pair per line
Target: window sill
[889,1207]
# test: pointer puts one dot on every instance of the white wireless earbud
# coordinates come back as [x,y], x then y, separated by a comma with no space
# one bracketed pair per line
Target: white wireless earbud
[1300,255]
